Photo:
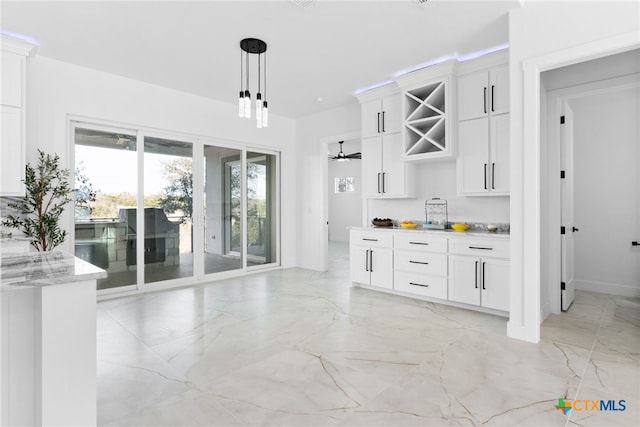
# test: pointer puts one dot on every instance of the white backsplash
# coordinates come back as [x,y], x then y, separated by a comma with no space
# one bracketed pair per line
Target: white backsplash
[438,179]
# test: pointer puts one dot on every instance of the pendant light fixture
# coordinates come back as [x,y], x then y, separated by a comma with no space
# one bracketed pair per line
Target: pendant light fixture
[254,47]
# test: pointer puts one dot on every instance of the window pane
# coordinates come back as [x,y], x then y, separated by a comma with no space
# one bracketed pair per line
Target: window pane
[102,193]
[222,209]
[261,208]
[168,210]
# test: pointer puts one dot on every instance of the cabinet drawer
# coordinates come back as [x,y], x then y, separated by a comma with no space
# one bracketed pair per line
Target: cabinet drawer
[417,241]
[430,286]
[480,247]
[371,238]
[420,262]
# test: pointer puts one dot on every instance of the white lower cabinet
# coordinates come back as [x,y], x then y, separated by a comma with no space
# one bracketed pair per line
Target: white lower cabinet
[472,271]
[371,258]
[479,273]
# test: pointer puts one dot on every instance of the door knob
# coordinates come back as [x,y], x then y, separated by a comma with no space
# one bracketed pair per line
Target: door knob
[574,229]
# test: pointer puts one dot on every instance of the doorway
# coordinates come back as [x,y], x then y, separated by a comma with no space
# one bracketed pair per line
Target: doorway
[594,106]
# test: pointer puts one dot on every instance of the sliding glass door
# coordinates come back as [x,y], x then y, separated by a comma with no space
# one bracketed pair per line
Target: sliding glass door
[261,208]
[222,209]
[152,209]
[168,209]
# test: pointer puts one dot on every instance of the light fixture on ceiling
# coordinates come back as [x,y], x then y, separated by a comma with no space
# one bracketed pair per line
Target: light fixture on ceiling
[255,47]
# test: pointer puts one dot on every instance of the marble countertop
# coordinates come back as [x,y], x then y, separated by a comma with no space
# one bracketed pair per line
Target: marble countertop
[447,232]
[45,269]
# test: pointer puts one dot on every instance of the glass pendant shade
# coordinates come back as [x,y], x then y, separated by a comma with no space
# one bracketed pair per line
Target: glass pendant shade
[241,104]
[259,110]
[265,115]
[247,104]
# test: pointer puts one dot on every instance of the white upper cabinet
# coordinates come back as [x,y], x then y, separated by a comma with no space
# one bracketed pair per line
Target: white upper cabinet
[12,78]
[384,171]
[381,116]
[13,58]
[483,93]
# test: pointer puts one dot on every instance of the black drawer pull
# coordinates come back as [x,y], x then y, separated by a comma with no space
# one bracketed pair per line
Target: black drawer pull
[480,247]
[418,262]
[418,284]
[418,243]
[369,240]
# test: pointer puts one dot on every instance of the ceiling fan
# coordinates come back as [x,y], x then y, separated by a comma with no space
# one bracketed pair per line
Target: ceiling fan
[341,157]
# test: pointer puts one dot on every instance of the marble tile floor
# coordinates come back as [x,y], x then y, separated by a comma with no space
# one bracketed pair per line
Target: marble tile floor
[295,347]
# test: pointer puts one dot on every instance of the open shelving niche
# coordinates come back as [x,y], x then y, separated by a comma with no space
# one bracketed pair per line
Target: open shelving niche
[428,113]
[425,120]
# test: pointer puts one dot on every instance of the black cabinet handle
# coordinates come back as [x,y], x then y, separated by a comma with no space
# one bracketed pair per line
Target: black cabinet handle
[485,100]
[634,243]
[480,247]
[378,122]
[492,97]
[418,262]
[419,243]
[476,275]
[483,276]
[378,182]
[574,229]
[369,240]
[493,176]
[418,284]
[485,176]
[383,122]
[371,260]
[366,260]
[383,174]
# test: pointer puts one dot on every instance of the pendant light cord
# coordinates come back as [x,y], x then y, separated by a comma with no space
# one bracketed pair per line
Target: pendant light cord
[265,76]
[258,73]
[247,70]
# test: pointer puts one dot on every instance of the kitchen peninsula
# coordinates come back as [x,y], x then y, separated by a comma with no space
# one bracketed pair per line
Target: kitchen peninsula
[48,338]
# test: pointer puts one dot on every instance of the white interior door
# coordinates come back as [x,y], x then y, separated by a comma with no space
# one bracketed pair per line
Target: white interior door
[567,290]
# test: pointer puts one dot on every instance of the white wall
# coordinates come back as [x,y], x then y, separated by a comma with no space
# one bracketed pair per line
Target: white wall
[57,90]
[546,33]
[607,191]
[311,158]
[345,209]
[438,179]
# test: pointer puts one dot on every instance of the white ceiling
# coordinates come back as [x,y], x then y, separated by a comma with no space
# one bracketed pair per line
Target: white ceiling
[327,49]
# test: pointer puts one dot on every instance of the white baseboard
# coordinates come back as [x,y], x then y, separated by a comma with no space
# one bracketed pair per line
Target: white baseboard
[608,288]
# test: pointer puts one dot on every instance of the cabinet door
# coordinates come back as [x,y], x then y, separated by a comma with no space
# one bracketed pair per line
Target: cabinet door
[11,79]
[499,153]
[381,267]
[358,263]
[391,114]
[11,153]
[371,118]
[473,93]
[473,152]
[464,283]
[393,166]
[499,90]
[372,167]
[495,283]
